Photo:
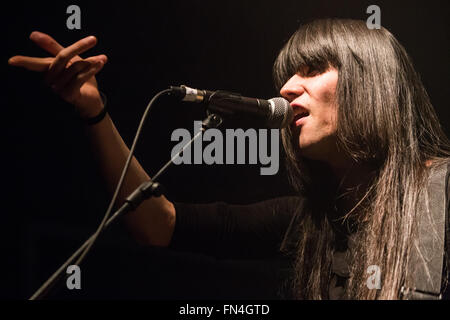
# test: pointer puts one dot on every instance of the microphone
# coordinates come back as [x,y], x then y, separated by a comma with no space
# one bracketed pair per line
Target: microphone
[275,112]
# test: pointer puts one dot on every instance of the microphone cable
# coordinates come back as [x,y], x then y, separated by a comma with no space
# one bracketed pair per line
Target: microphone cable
[88,244]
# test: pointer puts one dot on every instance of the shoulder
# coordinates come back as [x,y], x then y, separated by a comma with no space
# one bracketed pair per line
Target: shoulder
[438,164]
[286,204]
[276,213]
[438,184]
[439,173]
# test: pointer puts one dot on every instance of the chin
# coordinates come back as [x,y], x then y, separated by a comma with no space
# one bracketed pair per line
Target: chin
[311,155]
[319,151]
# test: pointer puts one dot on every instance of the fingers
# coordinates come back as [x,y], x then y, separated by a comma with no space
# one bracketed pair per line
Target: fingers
[76,68]
[72,90]
[66,72]
[46,42]
[49,44]
[65,55]
[31,63]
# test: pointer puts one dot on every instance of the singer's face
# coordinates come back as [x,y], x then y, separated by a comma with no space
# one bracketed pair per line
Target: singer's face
[312,97]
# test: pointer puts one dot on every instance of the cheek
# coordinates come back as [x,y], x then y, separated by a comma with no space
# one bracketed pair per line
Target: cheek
[326,88]
[326,119]
[332,119]
[328,112]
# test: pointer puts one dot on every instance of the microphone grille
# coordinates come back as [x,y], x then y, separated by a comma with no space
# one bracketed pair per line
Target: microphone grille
[282,113]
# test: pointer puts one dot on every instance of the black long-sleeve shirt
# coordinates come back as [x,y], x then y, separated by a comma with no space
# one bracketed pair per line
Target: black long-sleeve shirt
[246,240]
[234,231]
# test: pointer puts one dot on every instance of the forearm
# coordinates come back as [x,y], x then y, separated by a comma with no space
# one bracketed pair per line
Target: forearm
[73,79]
[153,222]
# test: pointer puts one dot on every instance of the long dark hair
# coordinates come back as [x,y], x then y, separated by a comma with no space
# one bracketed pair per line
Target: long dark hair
[385,121]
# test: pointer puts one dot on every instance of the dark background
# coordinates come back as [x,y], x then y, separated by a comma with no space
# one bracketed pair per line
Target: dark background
[53,195]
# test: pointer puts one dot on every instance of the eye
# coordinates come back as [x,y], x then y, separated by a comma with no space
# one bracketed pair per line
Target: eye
[309,72]
[312,72]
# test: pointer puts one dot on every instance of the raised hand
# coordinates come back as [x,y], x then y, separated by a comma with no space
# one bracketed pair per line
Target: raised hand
[70,76]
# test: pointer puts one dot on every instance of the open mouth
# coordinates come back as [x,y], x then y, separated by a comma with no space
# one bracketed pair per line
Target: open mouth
[299,119]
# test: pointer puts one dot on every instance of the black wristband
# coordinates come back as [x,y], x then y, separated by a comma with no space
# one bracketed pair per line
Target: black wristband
[100,116]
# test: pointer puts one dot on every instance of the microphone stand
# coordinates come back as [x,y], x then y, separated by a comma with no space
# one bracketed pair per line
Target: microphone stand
[144,191]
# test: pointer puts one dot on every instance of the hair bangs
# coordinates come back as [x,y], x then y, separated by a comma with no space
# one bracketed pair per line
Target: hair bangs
[311,48]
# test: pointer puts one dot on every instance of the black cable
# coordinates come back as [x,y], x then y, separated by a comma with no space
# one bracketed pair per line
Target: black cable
[124,171]
[88,244]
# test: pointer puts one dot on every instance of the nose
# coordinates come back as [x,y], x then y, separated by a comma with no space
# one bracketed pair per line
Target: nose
[292,88]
